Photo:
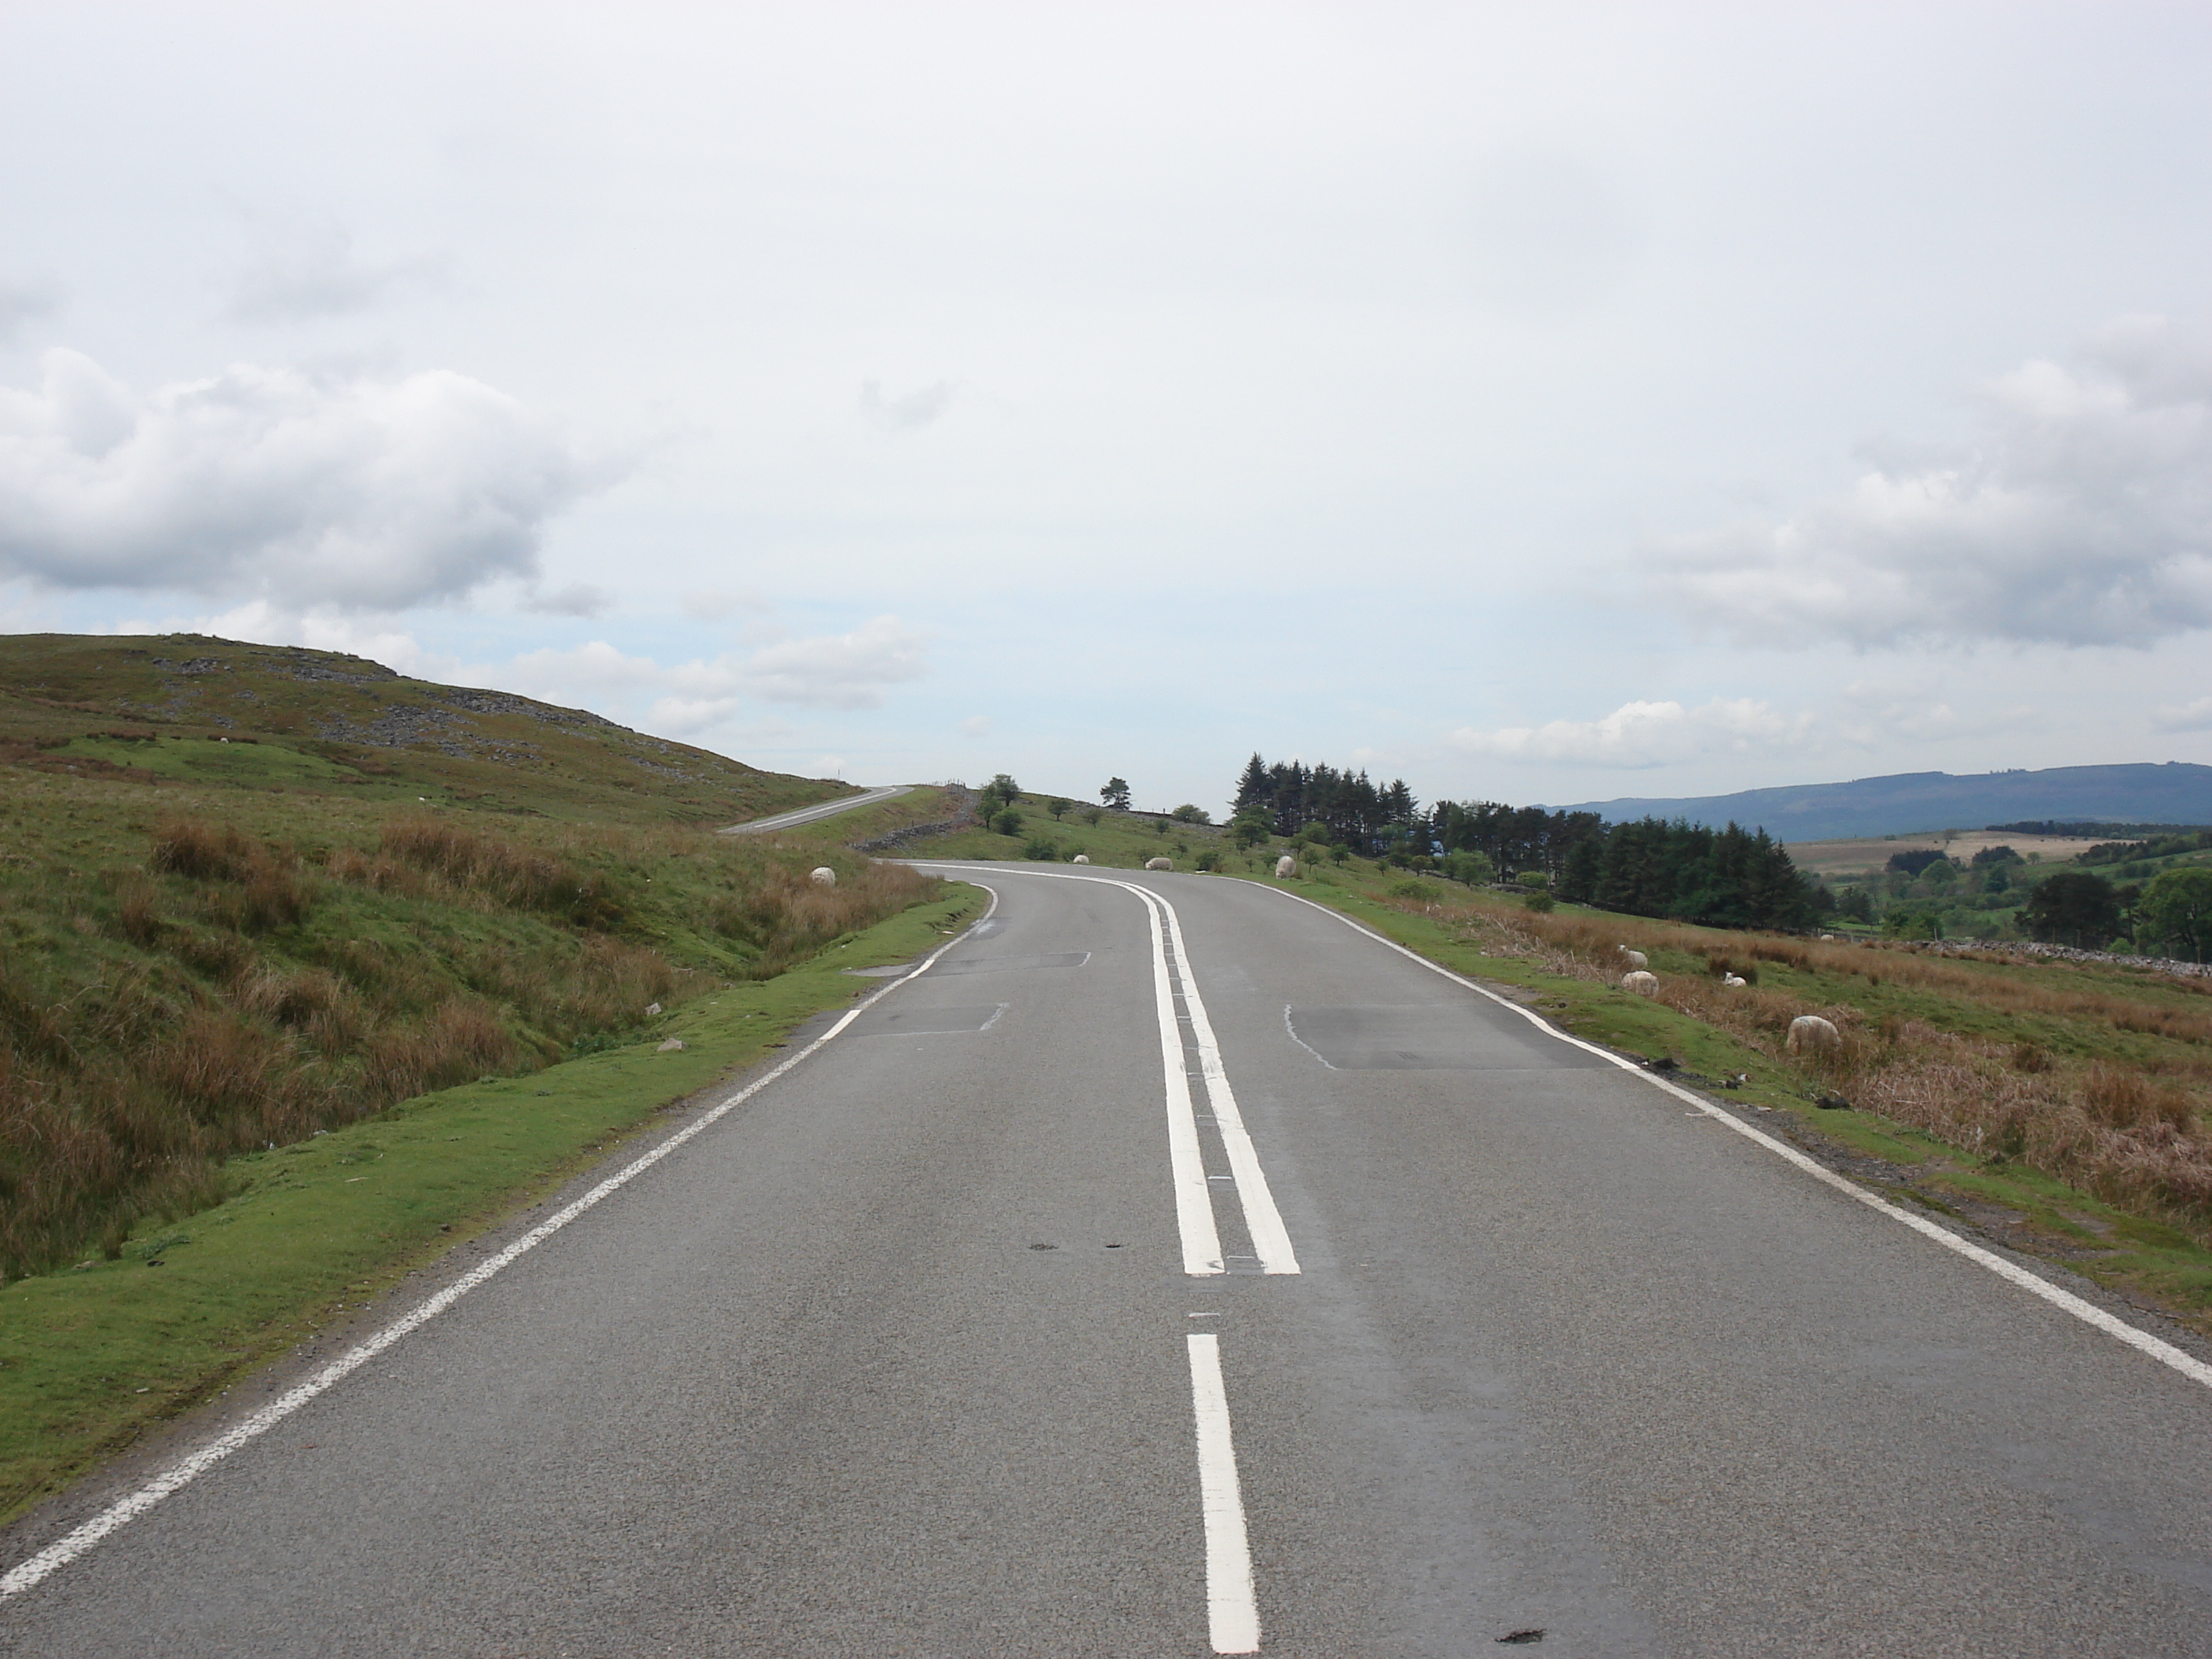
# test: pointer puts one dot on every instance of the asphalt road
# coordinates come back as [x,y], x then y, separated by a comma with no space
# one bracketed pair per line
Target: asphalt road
[960,1338]
[828,809]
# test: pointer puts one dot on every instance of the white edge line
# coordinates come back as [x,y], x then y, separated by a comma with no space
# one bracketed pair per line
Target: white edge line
[2088,1312]
[1232,1612]
[58,1554]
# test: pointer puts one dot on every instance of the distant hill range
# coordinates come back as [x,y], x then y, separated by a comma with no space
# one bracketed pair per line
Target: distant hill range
[1911,802]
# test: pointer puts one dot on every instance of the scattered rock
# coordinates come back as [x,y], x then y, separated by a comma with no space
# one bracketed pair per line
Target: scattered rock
[651,1008]
[674,1045]
[1831,1101]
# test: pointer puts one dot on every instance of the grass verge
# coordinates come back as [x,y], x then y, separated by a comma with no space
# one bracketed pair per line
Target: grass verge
[94,1357]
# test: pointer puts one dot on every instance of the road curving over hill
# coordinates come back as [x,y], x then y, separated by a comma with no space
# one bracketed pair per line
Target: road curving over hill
[1166,1268]
[828,809]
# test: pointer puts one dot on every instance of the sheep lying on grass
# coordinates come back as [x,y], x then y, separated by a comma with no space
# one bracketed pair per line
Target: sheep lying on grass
[1643,984]
[823,876]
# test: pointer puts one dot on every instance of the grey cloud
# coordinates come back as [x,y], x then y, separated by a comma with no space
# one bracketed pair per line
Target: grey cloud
[710,604]
[908,413]
[316,273]
[2083,516]
[576,599]
[354,493]
[22,301]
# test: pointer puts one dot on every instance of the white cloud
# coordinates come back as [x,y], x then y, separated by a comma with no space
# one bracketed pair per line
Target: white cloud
[1640,734]
[976,725]
[2184,717]
[298,489]
[839,671]
[2081,516]
[314,272]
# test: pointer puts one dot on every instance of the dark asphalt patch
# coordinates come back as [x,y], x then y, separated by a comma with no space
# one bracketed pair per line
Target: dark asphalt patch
[1450,1036]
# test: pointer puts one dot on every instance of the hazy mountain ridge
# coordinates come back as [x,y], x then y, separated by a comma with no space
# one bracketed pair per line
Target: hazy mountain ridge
[1903,803]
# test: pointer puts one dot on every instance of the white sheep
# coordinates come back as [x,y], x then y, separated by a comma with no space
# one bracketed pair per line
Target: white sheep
[823,876]
[1643,984]
[1637,959]
[1734,979]
[1160,863]
[1810,1033]
[1286,867]
[1080,858]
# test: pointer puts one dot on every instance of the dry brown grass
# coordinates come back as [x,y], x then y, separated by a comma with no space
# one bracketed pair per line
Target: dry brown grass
[2133,1134]
[787,918]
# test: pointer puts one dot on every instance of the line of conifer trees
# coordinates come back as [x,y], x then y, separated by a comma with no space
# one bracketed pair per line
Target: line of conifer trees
[1726,877]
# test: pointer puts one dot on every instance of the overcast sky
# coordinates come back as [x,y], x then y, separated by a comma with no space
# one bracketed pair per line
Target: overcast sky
[1538,402]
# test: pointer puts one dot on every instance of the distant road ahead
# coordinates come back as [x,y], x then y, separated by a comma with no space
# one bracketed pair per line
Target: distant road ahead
[828,809]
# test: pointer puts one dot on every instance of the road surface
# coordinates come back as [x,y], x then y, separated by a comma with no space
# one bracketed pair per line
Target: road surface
[828,809]
[1142,1280]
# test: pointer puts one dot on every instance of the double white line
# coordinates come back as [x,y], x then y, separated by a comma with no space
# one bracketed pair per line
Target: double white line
[1232,1612]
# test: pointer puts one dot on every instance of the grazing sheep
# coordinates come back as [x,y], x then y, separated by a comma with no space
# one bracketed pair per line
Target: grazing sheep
[1637,959]
[1734,979]
[1643,984]
[824,876]
[1809,1033]
[1160,863]
[1080,858]
[1286,867]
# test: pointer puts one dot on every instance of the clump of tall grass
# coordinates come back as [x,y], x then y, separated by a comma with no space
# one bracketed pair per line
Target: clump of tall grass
[784,917]
[505,872]
[250,887]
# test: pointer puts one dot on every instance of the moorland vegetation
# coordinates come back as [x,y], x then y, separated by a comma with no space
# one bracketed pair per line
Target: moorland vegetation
[218,937]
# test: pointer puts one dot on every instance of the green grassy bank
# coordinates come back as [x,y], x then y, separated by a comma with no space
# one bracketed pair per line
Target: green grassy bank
[93,1357]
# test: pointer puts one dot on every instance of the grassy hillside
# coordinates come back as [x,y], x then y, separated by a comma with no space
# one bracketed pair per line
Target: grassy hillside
[307,970]
[185,708]
[305,889]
